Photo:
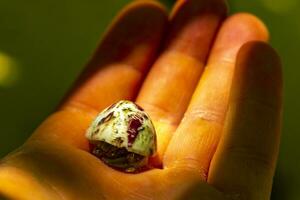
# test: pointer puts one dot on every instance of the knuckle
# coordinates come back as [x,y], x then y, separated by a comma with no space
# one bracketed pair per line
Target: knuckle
[204,114]
[190,166]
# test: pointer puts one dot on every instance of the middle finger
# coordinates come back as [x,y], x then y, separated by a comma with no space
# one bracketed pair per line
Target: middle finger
[170,84]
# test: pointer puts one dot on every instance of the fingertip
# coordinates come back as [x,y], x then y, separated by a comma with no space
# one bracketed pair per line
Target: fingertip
[138,26]
[193,25]
[150,4]
[250,23]
[259,73]
[215,6]
[237,30]
[261,56]
[134,12]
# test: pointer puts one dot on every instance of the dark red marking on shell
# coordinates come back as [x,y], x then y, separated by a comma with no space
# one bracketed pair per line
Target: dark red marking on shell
[133,125]
[91,147]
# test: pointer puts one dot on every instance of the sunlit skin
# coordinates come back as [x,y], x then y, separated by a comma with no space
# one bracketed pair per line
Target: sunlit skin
[212,86]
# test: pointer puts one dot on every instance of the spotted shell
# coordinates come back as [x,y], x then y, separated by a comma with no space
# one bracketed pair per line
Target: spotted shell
[124,124]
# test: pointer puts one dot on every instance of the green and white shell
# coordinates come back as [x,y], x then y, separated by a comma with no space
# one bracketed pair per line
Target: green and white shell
[124,125]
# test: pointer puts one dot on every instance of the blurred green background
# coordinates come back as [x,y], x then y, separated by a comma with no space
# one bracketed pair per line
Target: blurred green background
[45,44]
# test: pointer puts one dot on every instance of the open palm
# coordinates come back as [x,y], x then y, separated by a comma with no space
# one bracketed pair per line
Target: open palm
[213,95]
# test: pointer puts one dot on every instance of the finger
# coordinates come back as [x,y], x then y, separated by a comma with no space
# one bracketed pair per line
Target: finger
[115,71]
[127,50]
[171,81]
[197,136]
[246,157]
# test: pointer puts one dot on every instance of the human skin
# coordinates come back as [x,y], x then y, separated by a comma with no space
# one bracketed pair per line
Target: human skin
[213,88]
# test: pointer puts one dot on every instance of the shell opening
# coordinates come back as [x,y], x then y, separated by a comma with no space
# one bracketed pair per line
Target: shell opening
[119,158]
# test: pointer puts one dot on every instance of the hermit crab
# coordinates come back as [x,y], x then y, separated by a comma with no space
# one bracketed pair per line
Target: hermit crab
[123,137]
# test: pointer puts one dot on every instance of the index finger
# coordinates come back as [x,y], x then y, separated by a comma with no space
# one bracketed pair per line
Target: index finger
[115,72]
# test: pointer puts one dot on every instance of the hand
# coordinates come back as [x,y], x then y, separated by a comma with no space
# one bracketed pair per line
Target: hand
[213,95]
